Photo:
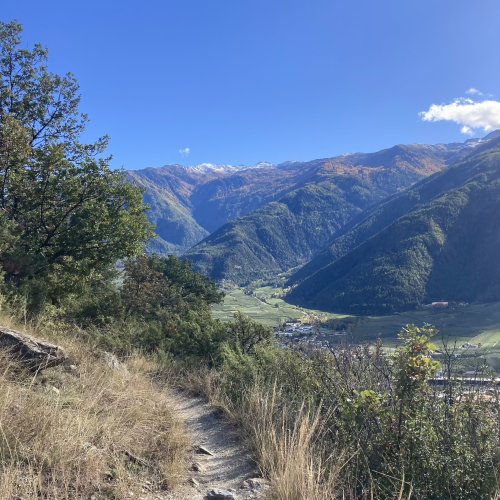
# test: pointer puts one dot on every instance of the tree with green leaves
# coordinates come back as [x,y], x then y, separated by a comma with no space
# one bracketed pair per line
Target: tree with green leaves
[154,285]
[69,217]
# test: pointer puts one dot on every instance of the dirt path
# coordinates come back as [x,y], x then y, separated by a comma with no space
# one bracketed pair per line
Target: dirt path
[229,466]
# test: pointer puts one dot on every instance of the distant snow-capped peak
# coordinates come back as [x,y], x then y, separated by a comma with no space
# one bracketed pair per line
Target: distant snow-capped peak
[212,167]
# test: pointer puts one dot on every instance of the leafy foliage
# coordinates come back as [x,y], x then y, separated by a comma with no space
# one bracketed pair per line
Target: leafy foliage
[396,435]
[154,283]
[68,216]
[163,306]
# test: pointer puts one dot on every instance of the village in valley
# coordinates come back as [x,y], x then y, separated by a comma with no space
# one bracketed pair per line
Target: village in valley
[473,330]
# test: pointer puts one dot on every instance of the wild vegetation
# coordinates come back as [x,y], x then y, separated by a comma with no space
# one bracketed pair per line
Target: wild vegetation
[355,422]
[66,217]
[86,428]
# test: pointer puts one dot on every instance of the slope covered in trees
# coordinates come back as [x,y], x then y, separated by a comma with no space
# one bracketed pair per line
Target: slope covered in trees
[436,241]
[187,204]
[288,232]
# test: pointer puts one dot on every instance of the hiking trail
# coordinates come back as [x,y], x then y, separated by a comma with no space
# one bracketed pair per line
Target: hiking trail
[220,466]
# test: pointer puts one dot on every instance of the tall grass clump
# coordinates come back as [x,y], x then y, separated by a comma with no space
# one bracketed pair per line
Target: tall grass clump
[288,443]
[86,429]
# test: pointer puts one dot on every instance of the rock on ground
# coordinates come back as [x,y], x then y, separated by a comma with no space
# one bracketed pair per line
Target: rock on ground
[35,353]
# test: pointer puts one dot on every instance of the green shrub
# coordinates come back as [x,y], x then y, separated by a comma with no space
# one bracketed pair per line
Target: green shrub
[403,436]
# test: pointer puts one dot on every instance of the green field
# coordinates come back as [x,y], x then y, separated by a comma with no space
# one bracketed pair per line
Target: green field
[262,306]
[476,323]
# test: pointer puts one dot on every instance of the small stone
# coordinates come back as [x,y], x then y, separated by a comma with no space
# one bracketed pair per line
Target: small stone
[55,389]
[254,484]
[193,481]
[197,467]
[218,494]
[203,451]
[35,353]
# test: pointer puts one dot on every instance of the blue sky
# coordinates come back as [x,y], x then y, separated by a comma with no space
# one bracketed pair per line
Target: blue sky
[243,81]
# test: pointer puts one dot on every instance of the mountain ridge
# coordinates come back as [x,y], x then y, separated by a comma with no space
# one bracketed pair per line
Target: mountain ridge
[421,245]
[283,234]
[191,206]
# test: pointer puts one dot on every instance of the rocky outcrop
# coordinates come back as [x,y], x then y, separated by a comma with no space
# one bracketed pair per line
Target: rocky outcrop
[34,353]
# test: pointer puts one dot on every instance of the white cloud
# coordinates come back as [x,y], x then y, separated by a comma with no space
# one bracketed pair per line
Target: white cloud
[473,91]
[185,152]
[471,115]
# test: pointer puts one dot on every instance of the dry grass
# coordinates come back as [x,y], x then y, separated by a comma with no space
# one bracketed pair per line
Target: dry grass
[75,431]
[289,449]
[286,444]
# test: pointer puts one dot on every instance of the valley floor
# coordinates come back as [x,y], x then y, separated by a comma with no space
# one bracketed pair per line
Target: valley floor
[266,305]
[475,324]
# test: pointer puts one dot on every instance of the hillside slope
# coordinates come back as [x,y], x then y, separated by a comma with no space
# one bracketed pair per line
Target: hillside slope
[288,232]
[188,203]
[438,240]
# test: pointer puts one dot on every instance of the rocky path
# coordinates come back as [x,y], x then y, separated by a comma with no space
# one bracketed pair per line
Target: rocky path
[220,467]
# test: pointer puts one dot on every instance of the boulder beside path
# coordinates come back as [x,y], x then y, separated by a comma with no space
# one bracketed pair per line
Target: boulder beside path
[35,353]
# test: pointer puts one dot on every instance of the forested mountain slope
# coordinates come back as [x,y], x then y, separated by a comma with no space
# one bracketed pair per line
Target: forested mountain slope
[439,240]
[288,232]
[188,203]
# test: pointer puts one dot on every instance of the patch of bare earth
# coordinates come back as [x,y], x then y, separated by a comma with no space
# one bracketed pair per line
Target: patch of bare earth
[220,467]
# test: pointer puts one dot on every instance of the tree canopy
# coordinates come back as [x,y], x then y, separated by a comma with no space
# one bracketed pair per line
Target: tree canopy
[65,214]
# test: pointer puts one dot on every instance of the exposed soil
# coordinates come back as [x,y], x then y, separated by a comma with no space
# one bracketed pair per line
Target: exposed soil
[229,467]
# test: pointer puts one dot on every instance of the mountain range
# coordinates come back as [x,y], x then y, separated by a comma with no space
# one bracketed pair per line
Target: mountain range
[338,225]
[208,204]
[188,203]
[290,231]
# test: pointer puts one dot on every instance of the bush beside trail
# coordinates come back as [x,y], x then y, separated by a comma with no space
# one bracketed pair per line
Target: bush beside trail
[357,422]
